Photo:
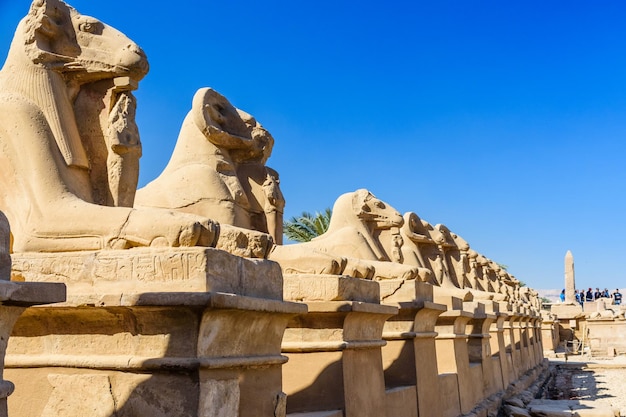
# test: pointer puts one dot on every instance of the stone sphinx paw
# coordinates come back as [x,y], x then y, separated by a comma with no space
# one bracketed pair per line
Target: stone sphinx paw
[391,270]
[424,274]
[333,265]
[163,228]
[359,268]
[409,273]
[243,242]
[294,259]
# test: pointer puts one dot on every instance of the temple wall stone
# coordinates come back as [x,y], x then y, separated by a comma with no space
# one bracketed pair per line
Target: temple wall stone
[606,336]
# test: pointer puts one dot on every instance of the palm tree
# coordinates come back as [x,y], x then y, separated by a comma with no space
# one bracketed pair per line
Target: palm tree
[307,226]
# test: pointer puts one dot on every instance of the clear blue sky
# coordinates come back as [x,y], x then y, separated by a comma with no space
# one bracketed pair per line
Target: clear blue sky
[503,120]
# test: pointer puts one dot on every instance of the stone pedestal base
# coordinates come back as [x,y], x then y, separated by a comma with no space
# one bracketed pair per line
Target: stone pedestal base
[453,359]
[191,332]
[409,358]
[334,350]
[195,355]
[106,277]
[567,311]
[15,298]
[313,288]
[607,336]
[335,359]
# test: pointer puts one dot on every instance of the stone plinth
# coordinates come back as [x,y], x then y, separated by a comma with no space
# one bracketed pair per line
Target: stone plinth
[512,342]
[453,359]
[550,335]
[498,352]
[606,334]
[93,277]
[524,344]
[479,347]
[306,287]
[536,343]
[335,360]
[531,356]
[334,353]
[119,345]
[15,297]
[328,346]
[567,311]
[410,357]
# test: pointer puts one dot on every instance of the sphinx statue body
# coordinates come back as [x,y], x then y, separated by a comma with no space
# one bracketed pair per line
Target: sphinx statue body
[218,169]
[70,145]
[363,238]
[47,194]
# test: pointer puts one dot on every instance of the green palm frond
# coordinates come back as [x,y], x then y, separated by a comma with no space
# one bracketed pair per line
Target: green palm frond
[307,226]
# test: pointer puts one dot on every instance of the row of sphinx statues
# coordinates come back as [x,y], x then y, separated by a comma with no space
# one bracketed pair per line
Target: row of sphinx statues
[70,152]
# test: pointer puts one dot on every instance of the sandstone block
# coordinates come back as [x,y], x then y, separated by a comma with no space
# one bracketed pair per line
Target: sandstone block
[309,287]
[97,273]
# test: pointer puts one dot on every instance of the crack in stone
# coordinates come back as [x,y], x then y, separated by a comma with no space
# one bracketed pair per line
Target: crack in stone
[115,414]
[396,290]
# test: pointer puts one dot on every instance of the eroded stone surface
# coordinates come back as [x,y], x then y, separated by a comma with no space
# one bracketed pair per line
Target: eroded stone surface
[142,270]
[220,398]
[79,395]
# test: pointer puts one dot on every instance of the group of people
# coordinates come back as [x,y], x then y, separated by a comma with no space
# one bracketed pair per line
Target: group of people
[583,296]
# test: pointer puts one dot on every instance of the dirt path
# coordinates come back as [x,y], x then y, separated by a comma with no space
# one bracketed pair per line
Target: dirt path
[603,381]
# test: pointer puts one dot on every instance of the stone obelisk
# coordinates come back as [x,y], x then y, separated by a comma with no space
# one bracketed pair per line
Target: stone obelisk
[570,285]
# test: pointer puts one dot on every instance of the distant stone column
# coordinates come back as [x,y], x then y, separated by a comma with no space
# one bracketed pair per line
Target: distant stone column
[570,285]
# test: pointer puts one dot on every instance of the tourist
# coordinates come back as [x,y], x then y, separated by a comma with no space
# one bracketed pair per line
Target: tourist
[578,296]
[617,297]
[597,295]
[562,296]
[605,293]
[589,296]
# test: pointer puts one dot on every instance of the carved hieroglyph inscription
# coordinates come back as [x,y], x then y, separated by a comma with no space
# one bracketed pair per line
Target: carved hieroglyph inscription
[112,266]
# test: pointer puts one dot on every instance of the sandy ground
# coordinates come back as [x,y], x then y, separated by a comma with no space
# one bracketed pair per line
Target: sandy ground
[601,380]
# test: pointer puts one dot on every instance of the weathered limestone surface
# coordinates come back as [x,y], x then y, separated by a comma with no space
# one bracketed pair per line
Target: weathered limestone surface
[410,349]
[211,338]
[338,346]
[181,300]
[98,276]
[15,297]
[606,336]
